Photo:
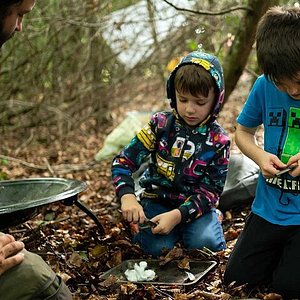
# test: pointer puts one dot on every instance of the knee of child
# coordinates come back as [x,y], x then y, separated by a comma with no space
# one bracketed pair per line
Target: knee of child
[236,273]
[153,244]
[286,287]
[157,249]
[212,244]
[227,276]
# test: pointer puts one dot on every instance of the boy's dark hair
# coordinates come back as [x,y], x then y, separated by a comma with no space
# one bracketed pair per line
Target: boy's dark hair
[278,43]
[5,6]
[195,80]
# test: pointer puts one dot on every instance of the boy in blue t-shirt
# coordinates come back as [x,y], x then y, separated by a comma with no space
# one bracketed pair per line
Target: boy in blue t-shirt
[268,250]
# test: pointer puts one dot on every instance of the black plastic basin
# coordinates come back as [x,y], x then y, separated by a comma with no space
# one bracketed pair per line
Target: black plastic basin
[22,199]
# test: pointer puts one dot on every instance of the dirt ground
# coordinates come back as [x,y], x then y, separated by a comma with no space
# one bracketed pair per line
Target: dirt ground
[73,244]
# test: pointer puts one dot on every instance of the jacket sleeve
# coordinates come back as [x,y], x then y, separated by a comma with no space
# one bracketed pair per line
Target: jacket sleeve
[210,188]
[131,157]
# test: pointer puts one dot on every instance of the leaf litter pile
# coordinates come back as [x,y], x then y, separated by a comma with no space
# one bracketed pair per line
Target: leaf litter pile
[77,249]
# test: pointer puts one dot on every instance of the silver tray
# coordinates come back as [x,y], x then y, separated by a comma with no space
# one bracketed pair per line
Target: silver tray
[169,274]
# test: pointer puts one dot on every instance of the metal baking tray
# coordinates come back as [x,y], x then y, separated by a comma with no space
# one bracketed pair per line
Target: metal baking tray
[169,274]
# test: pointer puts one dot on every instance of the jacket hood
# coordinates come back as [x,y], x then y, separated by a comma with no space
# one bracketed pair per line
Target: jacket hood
[211,64]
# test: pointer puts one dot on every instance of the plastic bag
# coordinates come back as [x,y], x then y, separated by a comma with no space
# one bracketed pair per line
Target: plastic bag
[240,184]
[123,134]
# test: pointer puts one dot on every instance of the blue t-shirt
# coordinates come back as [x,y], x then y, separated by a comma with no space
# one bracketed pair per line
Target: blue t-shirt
[277,199]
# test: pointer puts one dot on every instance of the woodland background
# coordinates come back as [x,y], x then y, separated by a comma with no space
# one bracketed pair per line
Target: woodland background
[64,86]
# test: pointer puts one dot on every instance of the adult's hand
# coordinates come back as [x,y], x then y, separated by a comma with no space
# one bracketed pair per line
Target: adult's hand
[10,252]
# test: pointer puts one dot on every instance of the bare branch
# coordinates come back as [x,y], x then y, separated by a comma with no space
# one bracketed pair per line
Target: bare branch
[58,169]
[211,13]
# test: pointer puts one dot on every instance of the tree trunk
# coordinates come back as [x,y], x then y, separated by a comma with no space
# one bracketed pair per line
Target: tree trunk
[236,60]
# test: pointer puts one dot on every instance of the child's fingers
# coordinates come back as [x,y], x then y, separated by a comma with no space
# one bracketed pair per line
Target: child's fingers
[277,163]
[296,171]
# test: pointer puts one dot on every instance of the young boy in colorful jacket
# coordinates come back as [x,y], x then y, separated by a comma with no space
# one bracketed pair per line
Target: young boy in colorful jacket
[189,161]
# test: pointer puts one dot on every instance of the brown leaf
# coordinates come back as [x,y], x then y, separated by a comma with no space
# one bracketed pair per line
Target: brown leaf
[98,250]
[116,259]
[228,215]
[231,234]
[64,276]
[128,288]
[175,253]
[181,296]
[184,264]
[75,259]
[273,296]
[109,281]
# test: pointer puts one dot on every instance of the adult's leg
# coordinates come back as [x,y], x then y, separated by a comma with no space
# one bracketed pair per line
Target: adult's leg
[286,278]
[256,253]
[205,231]
[154,243]
[33,279]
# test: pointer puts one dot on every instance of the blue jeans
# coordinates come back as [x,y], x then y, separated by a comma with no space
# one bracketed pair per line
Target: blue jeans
[205,231]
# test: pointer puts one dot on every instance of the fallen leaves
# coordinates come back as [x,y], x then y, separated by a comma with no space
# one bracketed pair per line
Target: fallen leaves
[175,253]
[272,296]
[231,234]
[71,243]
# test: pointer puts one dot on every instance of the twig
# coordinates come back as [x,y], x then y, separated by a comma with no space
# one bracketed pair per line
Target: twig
[58,169]
[211,13]
[18,231]
[45,223]
[162,292]
[30,165]
[48,166]
[25,143]
[208,295]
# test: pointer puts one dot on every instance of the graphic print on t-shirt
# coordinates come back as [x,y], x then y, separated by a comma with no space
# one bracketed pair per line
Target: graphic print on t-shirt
[289,145]
[292,141]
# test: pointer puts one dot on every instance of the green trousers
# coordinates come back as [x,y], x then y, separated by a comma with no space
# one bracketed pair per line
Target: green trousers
[33,279]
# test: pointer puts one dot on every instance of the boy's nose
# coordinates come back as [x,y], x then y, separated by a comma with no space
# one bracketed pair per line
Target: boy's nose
[190,107]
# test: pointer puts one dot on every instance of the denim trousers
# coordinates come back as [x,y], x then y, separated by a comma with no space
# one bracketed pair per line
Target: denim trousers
[205,231]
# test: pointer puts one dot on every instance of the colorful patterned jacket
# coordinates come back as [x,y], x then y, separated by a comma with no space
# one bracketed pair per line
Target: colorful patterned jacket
[189,165]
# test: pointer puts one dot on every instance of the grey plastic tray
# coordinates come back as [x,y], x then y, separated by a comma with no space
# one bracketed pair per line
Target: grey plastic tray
[168,274]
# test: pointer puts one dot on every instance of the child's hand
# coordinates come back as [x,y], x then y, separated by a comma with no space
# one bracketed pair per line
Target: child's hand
[269,164]
[295,161]
[166,222]
[131,209]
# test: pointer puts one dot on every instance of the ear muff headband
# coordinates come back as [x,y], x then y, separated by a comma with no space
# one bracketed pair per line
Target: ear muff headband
[185,61]
[171,90]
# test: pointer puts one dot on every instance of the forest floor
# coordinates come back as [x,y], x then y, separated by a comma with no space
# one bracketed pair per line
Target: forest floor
[72,243]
